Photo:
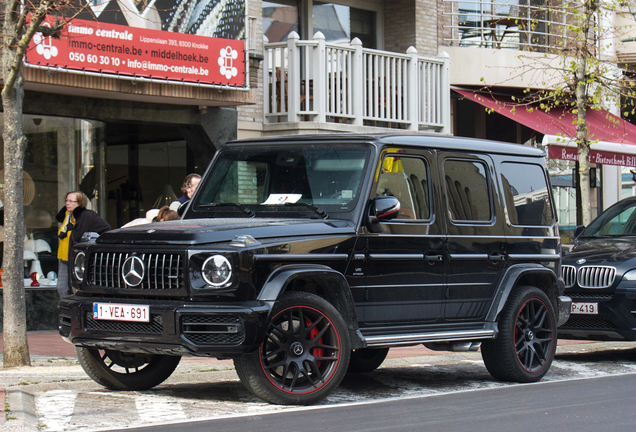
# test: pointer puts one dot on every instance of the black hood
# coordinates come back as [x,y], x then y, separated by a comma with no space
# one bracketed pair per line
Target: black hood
[201,231]
[598,251]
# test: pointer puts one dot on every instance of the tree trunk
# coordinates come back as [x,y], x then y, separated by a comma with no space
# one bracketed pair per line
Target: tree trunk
[15,346]
[583,144]
[590,7]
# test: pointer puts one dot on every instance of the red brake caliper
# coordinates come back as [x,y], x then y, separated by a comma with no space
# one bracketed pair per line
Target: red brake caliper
[317,352]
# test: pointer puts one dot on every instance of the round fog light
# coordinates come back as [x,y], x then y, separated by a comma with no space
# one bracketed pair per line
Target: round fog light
[79,266]
[216,270]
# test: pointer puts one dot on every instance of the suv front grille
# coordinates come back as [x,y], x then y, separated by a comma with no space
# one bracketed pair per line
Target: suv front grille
[596,277]
[162,271]
[579,296]
[589,323]
[155,326]
[569,275]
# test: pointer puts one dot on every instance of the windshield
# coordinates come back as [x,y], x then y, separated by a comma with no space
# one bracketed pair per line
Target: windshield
[618,220]
[317,180]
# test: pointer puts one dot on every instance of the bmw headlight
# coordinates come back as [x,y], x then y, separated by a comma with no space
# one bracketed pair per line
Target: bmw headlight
[630,275]
[79,266]
[216,271]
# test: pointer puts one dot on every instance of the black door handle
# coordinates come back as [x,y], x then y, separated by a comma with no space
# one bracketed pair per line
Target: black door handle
[497,257]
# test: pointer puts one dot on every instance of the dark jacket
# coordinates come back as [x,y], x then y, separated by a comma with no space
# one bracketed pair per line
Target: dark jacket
[183,198]
[85,221]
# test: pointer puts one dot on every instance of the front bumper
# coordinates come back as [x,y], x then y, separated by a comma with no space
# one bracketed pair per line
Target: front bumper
[175,327]
[615,320]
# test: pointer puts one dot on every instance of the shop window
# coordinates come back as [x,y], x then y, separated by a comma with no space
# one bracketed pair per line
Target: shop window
[144,176]
[62,155]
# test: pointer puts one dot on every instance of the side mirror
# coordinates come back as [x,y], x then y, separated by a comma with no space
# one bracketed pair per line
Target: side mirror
[89,236]
[182,208]
[382,209]
[385,208]
[578,230]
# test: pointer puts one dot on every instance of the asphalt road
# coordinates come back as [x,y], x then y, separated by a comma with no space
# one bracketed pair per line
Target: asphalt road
[605,404]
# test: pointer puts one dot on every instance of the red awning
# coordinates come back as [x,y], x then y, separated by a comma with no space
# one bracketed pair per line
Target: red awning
[602,125]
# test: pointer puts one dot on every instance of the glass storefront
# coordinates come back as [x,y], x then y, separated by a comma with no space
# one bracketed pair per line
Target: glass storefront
[144,176]
[62,155]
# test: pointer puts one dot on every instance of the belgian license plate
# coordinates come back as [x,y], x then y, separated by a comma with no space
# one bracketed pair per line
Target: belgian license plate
[121,312]
[585,308]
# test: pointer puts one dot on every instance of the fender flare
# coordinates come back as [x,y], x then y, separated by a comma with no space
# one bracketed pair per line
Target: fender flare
[335,282]
[508,282]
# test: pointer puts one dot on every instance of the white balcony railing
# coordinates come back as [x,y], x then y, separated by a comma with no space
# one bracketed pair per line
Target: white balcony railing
[320,82]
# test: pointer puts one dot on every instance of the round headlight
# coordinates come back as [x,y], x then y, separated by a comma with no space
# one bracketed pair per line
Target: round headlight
[79,266]
[216,270]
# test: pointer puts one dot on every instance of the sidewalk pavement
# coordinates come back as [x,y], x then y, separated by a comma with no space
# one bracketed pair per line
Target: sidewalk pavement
[54,360]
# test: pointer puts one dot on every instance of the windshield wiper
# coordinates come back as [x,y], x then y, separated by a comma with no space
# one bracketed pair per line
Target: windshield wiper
[245,209]
[323,214]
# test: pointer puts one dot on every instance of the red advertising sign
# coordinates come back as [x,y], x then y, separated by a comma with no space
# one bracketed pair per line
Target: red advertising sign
[563,153]
[596,156]
[122,50]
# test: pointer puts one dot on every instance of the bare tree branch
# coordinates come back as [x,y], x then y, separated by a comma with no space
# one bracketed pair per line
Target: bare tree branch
[23,44]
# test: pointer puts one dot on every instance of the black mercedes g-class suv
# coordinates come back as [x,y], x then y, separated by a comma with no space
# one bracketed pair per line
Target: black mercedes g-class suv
[303,258]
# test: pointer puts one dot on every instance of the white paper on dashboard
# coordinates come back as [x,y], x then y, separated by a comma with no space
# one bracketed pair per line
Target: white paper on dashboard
[282,198]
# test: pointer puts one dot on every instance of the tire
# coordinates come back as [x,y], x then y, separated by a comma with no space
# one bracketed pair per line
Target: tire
[524,349]
[366,359]
[117,370]
[301,363]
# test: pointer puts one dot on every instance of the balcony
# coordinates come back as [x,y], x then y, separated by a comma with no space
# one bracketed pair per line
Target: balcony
[525,25]
[314,86]
[626,48]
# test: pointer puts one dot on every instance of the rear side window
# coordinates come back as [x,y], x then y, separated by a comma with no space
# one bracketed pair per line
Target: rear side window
[467,191]
[527,194]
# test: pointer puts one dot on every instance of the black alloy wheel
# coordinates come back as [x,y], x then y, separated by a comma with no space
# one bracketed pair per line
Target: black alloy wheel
[118,370]
[533,335]
[304,355]
[525,347]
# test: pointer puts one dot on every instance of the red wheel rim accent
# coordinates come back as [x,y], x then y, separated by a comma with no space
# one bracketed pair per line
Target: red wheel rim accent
[313,368]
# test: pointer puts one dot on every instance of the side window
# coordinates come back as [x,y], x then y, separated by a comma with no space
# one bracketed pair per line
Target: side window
[406,178]
[467,191]
[526,194]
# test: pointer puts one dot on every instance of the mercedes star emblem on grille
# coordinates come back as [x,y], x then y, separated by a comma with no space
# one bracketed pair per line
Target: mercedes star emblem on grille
[133,271]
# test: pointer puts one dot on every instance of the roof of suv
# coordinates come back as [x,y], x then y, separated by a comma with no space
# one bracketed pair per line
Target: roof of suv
[429,141]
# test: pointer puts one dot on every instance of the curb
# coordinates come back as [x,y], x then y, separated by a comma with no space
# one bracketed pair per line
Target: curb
[21,415]
[3,417]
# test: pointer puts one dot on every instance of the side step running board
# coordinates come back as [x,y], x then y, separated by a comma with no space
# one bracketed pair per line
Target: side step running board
[417,338]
